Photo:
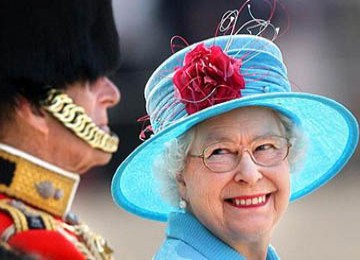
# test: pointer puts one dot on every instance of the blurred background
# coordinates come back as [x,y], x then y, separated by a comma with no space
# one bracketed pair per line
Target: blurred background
[321,50]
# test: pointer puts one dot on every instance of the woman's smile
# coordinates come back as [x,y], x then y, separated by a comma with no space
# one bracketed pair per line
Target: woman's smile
[249,201]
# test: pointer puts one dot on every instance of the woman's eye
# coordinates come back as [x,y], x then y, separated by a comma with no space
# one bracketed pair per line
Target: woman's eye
[264,147]
[220,151]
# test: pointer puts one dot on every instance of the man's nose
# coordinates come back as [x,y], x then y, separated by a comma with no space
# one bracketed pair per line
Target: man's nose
[109,94]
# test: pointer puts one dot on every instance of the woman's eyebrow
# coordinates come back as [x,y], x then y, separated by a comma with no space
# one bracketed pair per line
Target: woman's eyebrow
[215,137]
[220,136]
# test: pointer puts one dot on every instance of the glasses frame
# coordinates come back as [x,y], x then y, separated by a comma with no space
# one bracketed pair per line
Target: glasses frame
[245,149]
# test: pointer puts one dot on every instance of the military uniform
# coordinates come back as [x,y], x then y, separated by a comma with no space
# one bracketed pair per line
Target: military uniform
[35,198]
[45,47]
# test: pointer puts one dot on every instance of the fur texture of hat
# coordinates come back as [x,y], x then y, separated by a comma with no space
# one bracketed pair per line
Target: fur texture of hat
[54,42]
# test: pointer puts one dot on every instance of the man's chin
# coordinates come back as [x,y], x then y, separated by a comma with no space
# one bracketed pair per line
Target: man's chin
[99,158]
[102,158]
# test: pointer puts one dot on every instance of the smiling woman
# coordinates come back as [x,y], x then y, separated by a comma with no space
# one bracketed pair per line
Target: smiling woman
[230,209]
[173,159]
[225,154]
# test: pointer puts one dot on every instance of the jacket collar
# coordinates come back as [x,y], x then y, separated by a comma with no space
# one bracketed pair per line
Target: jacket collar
[36,182]
[185,227]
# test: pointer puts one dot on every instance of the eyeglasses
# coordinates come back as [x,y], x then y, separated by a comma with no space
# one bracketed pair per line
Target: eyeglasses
[264,151]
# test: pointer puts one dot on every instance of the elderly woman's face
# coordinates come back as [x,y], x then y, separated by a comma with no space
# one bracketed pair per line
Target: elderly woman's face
[245,203]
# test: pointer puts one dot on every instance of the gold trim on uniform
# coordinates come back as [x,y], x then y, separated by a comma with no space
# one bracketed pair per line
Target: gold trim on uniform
[19,212]
[91,245]
[74,117]
[20,222]
[27,178]
[51,190]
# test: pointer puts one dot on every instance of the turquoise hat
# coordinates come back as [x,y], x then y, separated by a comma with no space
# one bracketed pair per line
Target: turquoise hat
[331,129]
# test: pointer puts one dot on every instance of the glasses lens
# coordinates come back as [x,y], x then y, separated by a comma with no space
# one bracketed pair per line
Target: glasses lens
[265,151]
[221,157]
[269,151]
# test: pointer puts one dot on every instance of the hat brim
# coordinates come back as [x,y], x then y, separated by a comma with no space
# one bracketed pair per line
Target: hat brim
[331,129]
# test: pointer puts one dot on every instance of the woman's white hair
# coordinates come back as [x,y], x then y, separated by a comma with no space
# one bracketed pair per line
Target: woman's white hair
[172,161]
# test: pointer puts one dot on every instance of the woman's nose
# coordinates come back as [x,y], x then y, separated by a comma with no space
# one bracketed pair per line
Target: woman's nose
[109,93]
[247,171]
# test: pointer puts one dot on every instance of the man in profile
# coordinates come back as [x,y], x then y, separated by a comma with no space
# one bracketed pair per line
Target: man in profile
[55,59]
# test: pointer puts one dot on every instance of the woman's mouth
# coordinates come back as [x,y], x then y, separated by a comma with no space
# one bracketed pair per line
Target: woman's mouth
[249,201]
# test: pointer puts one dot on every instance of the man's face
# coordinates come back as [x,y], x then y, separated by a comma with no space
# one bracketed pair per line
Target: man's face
[72,153]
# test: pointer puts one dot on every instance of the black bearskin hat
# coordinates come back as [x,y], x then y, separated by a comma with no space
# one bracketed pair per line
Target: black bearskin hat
[54,42]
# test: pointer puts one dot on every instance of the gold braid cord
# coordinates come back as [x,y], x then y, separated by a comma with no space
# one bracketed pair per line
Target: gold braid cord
[62,107]
[92,246]
[19,213]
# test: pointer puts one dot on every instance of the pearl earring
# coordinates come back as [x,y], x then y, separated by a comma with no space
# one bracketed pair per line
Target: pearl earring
[182,204]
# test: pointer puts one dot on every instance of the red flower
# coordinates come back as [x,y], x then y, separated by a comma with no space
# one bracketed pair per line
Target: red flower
[208,77]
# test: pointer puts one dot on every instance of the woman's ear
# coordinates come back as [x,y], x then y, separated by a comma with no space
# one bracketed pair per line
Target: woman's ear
[181,185]
[33,116]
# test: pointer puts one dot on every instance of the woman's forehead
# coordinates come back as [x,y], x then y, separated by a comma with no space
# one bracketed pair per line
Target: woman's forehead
[249,122]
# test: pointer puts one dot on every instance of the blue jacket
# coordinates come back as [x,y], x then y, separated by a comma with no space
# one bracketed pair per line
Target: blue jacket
[187,238]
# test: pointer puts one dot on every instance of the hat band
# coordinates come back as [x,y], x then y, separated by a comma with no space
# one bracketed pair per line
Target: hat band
[262,69]
[165,107]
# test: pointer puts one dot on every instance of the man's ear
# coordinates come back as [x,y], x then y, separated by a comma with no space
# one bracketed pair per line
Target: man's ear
[33,116]
[181,184]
